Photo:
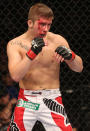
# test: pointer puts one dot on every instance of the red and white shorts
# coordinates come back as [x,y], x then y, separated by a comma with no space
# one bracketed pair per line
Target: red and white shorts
[43,105]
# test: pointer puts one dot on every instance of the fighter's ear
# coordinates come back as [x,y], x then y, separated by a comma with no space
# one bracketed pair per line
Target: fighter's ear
[30,23]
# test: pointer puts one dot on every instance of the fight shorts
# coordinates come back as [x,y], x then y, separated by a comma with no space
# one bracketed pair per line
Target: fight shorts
[42,105]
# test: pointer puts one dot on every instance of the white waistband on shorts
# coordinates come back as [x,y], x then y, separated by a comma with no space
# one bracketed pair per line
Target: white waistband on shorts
[41,92]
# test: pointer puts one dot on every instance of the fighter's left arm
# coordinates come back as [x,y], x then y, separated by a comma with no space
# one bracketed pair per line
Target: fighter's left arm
[76,64]
[73,61]
[64,53]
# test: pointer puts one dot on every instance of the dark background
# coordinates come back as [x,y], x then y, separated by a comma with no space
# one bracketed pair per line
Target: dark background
[72,20]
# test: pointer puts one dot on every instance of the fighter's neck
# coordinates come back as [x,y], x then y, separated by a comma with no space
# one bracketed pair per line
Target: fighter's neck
[29,36]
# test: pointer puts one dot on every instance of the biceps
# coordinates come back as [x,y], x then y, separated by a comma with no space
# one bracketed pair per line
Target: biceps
[13,60]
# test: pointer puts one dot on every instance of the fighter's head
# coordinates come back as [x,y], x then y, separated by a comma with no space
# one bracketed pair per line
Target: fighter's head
[40,16]
[40,10]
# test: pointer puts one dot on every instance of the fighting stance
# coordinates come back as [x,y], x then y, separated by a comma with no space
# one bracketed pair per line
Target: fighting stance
[34,61]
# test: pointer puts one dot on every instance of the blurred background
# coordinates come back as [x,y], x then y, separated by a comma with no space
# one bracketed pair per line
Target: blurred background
[72,21]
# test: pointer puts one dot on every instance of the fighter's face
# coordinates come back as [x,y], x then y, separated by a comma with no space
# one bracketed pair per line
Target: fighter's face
[42,26]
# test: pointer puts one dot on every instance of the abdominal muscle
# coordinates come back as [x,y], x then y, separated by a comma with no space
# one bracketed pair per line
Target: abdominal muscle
[40,78]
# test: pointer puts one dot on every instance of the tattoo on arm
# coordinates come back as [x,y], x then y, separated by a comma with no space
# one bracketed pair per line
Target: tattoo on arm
[20,44]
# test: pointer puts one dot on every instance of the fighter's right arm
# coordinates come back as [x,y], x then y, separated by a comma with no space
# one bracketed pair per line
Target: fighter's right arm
[17,66]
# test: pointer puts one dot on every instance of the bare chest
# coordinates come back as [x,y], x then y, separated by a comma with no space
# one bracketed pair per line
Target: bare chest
[44,58]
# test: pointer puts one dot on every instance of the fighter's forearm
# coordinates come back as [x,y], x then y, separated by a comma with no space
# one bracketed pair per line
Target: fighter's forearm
[20,69]
[76,64]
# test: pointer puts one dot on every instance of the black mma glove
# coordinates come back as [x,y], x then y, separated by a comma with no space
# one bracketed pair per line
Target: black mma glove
[36,47]
[66,53]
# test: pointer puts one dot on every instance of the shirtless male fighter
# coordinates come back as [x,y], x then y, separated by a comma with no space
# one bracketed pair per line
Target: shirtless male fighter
[34,61]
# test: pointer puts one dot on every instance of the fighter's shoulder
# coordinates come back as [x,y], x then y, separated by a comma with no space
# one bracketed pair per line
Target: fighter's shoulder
[56,38]
[14,41]
[12,45]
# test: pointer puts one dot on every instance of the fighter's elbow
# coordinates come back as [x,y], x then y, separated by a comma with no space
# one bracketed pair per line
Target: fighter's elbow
[80,69]
[15,78]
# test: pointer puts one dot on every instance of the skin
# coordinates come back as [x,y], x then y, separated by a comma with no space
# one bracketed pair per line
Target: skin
[43,71]
[6,113]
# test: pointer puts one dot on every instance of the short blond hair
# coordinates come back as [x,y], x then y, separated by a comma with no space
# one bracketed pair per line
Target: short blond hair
[40,10]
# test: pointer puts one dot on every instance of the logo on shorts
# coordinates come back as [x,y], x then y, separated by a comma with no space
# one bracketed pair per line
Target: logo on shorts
[13,125]
[27,104]
[55,107]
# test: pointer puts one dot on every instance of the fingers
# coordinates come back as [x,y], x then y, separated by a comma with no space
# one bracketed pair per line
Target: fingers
[58,58]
